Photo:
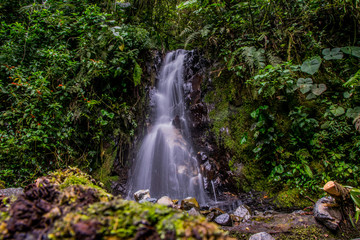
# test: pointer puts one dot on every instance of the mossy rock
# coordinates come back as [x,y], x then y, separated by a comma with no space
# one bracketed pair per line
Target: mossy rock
[70,204]
[290,198]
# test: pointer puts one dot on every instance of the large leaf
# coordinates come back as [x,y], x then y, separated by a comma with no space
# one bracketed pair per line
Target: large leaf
[311,66]
[318,89]
[352,50]
[332,54]
[337,111]
[353,112]
[304,84]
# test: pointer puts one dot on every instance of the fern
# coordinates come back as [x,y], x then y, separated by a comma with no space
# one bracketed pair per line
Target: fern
[354,80]
[272,59]
[254,58]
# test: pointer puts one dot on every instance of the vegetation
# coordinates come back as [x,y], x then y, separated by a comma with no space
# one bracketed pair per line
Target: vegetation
[285,83]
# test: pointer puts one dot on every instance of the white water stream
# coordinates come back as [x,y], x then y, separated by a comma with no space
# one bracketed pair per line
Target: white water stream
[165,164]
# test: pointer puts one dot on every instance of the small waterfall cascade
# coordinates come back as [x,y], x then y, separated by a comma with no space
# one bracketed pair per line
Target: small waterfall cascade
[165,163]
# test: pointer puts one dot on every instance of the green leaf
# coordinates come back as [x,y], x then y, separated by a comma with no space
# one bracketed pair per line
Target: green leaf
[332,54]
[137,74]
[311,66]
[354,80]
[346,95]
[353,112]
[355,195]
[304,84]
[352,50]
[308,171]
[318,89]
[310,96]
[337,111]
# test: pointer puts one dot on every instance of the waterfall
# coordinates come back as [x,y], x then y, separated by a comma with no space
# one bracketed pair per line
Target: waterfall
[165,163]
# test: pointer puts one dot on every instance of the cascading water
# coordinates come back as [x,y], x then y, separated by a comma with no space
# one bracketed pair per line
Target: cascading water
[165,164]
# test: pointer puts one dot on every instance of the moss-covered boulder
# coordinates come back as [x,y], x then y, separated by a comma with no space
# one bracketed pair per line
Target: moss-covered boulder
[70,204]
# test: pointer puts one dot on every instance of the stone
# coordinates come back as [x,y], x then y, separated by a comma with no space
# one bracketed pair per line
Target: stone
[210,217]
[176,122]
[327,212]
[188,203]
[261,236]
[141,195]
[243,212]
[223,220]
[193,212]
[8,192]
[165,200]
[151,200]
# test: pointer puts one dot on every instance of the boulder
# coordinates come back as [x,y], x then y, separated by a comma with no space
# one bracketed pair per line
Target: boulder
[327,212]
[141,195]
[223,220]
[193,212]
[8,192]
[165,200]
[261,236]
[188,203]
[243,212]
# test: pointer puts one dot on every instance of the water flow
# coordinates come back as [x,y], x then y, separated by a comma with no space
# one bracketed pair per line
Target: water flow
[213,188]
[165,164]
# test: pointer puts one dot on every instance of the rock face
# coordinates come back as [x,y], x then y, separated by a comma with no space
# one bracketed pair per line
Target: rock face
[261,236]
[243,212]
[213,160]
[223,220]
[141,195]
[327,213]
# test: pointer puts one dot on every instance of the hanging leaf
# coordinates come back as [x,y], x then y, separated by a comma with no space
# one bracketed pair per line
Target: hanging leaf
[304,84]
[311,66]
[352,50]
[137,74]
[318,89]
[333,54]
[337,111]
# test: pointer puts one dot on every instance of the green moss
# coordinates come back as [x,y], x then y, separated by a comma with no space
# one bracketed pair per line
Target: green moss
[305,233]
[123,219]
[290,198]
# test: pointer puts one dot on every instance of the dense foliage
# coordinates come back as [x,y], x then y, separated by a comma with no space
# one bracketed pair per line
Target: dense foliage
[285,82]
[286,87]
[70,80]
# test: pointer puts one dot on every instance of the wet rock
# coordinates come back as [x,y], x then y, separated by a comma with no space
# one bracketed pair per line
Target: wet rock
[141,195]
[193,212]
[177,122]
[261,236]
[223,220]
[7,192]
[210,217]
[327,212]
[202,157]
[151,200]
[243,212]
[165,200]
[86,230]
[188,203]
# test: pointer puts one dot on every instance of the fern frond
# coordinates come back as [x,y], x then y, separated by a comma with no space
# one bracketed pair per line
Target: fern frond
[273,59]
[248,54]
[260,60]
[186,31]
[191,38]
